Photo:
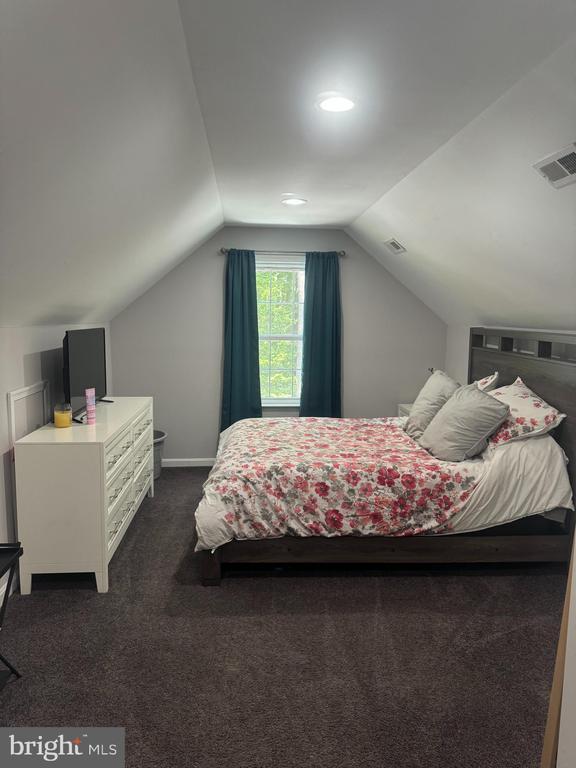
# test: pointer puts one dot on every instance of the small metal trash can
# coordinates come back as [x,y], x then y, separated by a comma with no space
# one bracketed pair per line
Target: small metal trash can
[159,437]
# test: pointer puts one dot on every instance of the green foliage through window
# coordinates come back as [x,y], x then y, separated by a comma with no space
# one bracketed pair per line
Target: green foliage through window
[280,316]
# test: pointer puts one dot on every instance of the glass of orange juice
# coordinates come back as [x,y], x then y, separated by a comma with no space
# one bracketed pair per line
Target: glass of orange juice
[63,415]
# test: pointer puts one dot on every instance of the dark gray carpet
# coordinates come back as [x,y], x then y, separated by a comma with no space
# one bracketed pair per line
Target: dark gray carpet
[321,669]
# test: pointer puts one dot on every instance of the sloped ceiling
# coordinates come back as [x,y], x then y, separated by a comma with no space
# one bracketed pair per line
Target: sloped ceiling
[106,175]
[130,130]
[488,240]
[419,71]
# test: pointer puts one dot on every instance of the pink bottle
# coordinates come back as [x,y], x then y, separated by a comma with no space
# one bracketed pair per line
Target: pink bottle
[91,405]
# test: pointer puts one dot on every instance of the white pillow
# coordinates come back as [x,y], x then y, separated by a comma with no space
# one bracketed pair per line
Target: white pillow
[529,414]
[488,382]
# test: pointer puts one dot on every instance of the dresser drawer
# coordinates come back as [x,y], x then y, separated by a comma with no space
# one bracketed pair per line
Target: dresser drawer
[142,456]
[141,424]
[116,521]
[145,439]
[114,452]
[119,483]
[141,482]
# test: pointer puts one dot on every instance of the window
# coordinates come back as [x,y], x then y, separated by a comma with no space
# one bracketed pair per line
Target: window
[280,291]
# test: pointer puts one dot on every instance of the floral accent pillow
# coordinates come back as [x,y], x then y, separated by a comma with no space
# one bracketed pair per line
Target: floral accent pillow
[488,382]
[529,414]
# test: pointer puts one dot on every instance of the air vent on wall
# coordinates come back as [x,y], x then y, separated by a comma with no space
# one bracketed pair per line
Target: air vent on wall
[394,246]
[559,169]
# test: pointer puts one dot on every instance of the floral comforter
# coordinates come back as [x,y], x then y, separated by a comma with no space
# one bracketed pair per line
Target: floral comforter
[326,477]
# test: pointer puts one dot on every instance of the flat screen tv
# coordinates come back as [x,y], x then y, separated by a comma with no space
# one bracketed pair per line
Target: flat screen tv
[84,356]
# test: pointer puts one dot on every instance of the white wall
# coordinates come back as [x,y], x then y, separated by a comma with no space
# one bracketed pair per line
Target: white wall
[106,175]
[168,343]
[489,242]
[27,355]
[457,344]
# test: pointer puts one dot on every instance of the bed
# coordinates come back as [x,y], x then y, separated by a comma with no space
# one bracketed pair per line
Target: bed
[362,491]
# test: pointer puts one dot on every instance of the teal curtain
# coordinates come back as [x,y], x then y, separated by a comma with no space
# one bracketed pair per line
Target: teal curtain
[321,352]
[241,378]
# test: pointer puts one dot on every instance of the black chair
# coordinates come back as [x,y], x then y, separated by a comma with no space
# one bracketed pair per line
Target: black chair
[9,555]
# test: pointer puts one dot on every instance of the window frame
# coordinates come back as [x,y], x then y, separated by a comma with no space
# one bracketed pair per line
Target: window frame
[277,262]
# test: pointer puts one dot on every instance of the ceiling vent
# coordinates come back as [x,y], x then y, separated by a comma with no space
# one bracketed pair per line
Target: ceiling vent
[559,169]
[394,246]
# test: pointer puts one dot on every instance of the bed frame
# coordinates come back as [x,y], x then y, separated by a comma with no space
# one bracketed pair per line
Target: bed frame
[547,363]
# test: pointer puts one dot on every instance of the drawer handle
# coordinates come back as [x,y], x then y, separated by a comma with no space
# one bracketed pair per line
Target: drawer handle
[143,458]
[114,458]
[126,509]
[143,428]
[117,491]
[141,485]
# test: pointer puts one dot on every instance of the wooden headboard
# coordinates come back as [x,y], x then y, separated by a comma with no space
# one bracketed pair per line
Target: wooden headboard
[546,362]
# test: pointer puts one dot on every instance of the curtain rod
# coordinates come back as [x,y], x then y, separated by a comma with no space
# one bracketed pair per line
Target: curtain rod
[273,252]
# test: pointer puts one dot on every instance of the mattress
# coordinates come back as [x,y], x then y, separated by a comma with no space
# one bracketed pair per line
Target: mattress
[367,477]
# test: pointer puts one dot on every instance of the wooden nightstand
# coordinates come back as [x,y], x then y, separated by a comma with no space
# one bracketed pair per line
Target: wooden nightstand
[404,409]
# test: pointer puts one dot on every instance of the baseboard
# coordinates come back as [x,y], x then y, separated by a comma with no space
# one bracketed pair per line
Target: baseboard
[187,462]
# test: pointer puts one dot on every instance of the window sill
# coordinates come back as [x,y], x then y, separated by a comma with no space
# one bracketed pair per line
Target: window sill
[271,405]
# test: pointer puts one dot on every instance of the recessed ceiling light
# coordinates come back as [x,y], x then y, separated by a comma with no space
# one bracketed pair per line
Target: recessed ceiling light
[334,102]
[294,201]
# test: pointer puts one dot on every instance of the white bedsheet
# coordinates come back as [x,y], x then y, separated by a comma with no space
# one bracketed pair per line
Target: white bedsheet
[518,479]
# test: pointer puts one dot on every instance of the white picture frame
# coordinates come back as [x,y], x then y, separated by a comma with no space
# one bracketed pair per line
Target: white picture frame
[39,387]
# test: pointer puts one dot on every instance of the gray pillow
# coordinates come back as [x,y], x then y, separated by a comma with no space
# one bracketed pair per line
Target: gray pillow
[431,398]
[461,428]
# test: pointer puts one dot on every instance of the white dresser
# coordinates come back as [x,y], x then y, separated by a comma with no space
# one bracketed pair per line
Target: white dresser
[78,489]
